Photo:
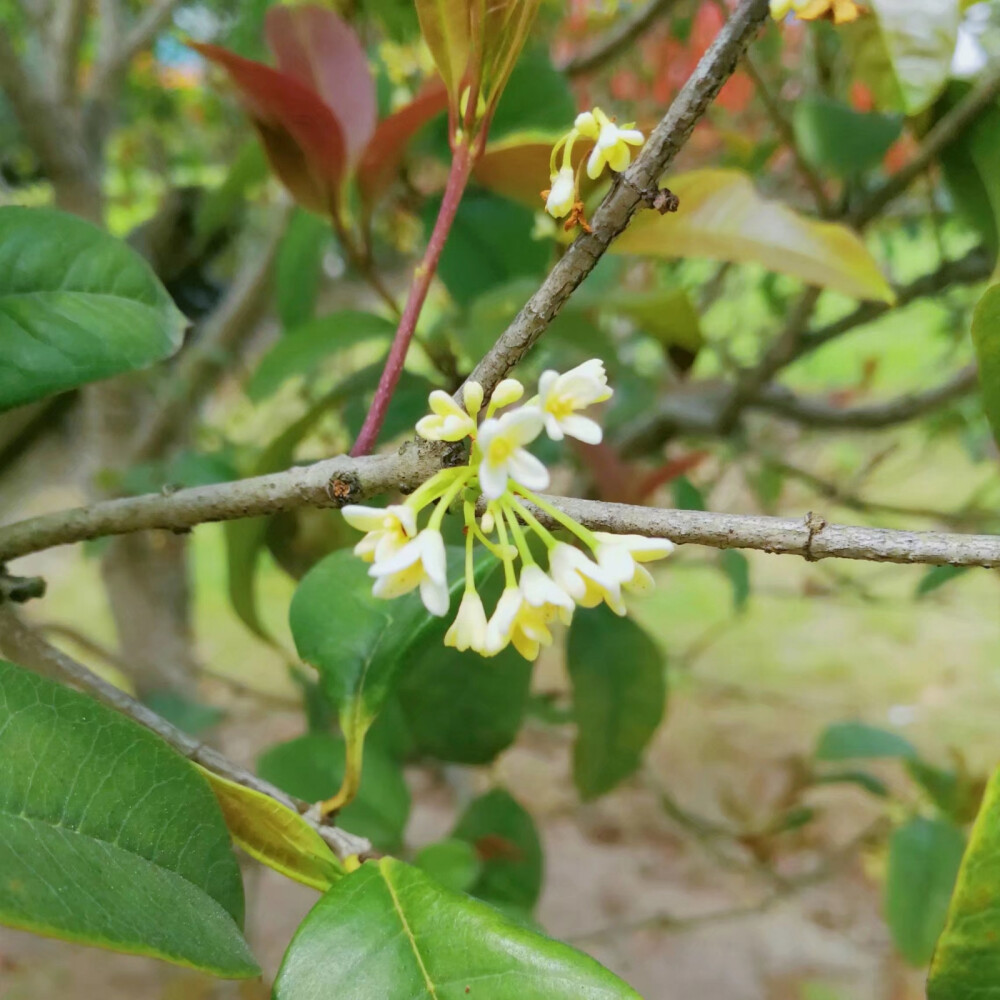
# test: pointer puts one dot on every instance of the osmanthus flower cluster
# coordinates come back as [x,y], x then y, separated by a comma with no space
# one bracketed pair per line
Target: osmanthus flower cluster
[838,11]
[505,474]
[612,148]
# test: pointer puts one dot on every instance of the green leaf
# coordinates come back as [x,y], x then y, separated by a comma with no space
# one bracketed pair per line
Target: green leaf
[191,716]
[736,566]
[459,707]
[986,337]
[722,217]
[619,696]
[76,305]
[924,856]
[110,838]
[489,244]
[849,740]
[969,165]
[537,96]
[298,270]
[833,136]
[919,38]
[311,767]
[453,863]
[862,779]
[687,496]
[967,961]
[506,841]
[305,351]
[220,207]
[426,943]
[358,642]
[274,834]
[937,576]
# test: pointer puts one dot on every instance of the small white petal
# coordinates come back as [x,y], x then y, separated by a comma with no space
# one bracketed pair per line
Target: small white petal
[409,554]
[433,555]
[363,518]
[493,480]
[582,428]
[507,392]
[435,596]
[528,470]
[473,398]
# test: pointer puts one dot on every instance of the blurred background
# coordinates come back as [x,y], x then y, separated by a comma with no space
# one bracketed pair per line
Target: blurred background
[788,830]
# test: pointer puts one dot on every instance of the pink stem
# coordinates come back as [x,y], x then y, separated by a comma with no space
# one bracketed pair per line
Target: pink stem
[461,167]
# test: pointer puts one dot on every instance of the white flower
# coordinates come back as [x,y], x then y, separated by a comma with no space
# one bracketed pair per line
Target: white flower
[621,557]
[540,591]
[507,392]
[515,621]
[420,563]
[562,193]
[502,444]
[447,420]
[584,580]
[611,145]
[472,398]
[781,8]
[560,396]
[388,528]
[468,630]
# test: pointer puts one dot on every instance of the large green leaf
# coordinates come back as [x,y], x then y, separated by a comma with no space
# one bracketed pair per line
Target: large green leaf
[853,740]
[919,39]
[722,217]
[459,707]
[619,695]
[76,305]
[358,642]
[504,836]
[967,961]
[924,856]
[986,337]
[311,767]
[110,838]
[388,932]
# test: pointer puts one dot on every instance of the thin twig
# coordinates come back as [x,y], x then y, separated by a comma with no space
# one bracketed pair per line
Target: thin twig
[628,194]
[618,38]
[949,129]
[26,647]
[787,134]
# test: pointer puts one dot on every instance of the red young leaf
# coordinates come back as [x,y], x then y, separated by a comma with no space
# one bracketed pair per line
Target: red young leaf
[379,162]
[300,134]
[322,52]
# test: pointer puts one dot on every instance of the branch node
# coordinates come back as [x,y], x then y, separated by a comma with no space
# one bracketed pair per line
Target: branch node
[814,523]
[343,488]
[19,588]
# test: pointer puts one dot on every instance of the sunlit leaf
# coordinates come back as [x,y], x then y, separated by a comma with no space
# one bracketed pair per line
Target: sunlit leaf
[447,32]
[924,856]
[722,217]
[967,961]
[76,305]
[108,837]
[919,39]
[834,137]
[274,834]
[431,944]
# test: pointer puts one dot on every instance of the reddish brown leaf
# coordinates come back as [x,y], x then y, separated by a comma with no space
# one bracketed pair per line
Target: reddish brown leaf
[300,134]
[322,52]
[380,160]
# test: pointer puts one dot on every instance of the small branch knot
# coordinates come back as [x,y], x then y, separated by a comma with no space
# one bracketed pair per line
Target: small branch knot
[815,523]
[19,588]
[662,200]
